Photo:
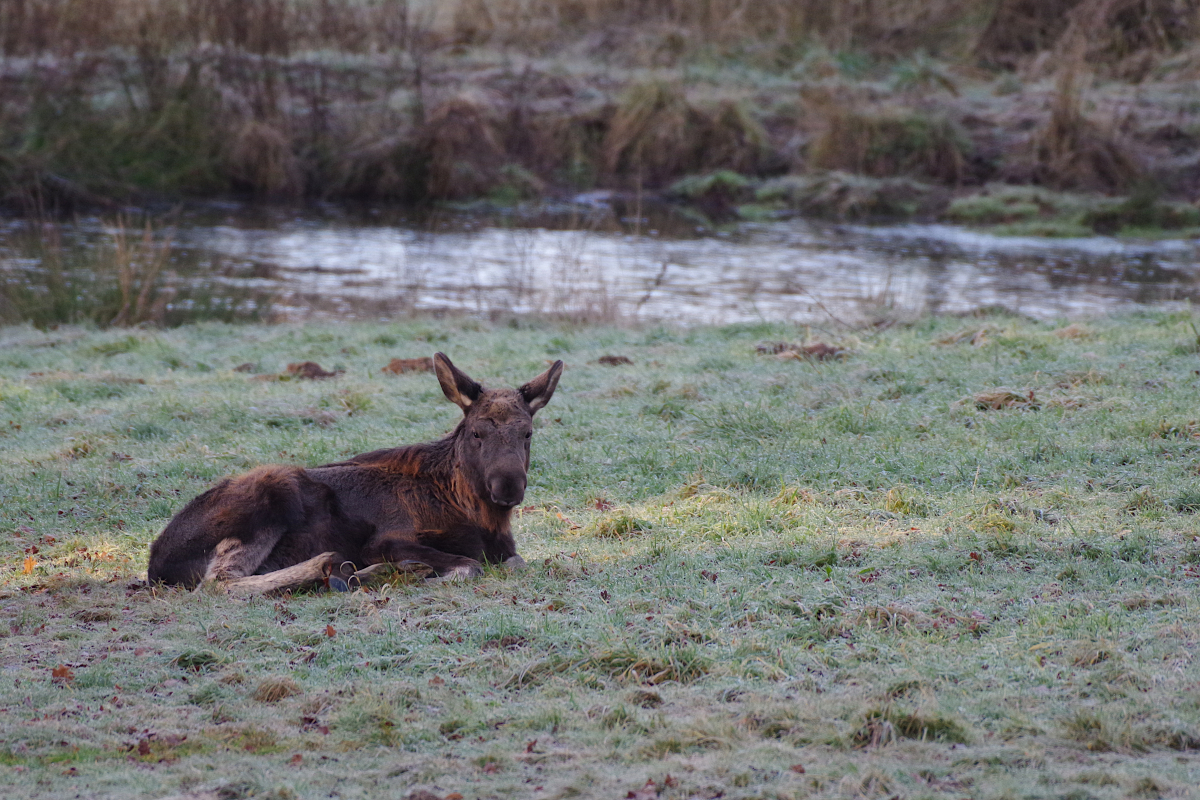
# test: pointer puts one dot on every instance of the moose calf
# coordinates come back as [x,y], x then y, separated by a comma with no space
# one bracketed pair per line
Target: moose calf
[445,504]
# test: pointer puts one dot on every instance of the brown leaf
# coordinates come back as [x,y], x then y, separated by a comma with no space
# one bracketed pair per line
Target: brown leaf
[602,504]
[797,768]
[530,745]
[614,361]
[570,525]
[309,370]
[330,631]
[62,673]
[27,567]
[398,366]
[454,796]
[144,747]
[437,680]
[649,791]
[296,760]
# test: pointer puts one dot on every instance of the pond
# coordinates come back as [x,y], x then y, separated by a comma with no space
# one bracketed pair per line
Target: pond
[586,261]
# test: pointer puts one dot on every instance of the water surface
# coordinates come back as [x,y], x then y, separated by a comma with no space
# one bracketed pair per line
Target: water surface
[592,264]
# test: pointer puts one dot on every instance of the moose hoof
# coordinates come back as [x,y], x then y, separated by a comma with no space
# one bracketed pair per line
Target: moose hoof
[515,563]
[461,572]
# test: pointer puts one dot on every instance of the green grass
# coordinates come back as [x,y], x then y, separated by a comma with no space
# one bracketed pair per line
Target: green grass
[759,577]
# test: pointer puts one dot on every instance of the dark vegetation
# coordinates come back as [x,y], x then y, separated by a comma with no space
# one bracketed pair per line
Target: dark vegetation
[889,108]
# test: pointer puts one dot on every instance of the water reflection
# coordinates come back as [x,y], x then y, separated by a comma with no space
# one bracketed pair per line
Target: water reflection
[600,265]
[793,271]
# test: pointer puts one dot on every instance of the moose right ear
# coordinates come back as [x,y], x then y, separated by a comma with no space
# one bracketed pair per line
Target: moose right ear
[458,388]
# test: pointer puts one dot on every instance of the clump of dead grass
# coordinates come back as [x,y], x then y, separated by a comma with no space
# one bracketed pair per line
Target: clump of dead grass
[1073,151]
[887,724]
[260,159]
[462,143]
[656,132]
[885,142]
[274,689]
[1004,399]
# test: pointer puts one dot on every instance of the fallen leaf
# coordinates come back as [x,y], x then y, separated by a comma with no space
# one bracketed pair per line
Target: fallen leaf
[797,768]
[144,747]
[309,370]
[330,631]
[614,361]
[454,796]
[436,680]
[648,792]
[712,576]
[398,366]
[530,745]
[62,673]
[491,768]
[570,525]
[296,760]
[30,563]
[602,504]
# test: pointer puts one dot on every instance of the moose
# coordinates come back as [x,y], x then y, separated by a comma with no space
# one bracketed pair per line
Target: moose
[444,506]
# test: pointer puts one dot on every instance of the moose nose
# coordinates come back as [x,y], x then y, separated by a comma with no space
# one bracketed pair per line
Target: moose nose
[507,490]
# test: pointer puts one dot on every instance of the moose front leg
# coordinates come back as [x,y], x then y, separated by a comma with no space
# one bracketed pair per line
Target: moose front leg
[397,547]
[502,549]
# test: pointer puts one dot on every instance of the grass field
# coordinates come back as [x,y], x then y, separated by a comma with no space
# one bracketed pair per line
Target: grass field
[961,561]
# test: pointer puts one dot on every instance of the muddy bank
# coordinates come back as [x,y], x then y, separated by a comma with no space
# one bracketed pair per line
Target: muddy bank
[873,111]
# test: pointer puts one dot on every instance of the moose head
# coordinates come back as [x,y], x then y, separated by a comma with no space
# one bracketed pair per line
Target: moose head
[492,441]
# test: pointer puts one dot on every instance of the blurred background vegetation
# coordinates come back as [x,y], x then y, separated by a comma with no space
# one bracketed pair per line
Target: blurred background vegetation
[861,108]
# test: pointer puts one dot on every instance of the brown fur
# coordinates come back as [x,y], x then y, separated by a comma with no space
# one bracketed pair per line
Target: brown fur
[446,504]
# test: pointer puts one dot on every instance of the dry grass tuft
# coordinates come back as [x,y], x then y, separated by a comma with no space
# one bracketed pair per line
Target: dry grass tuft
[886,142]
[1074,331]
[1000,399]
[1075,152]
[653,132]
[461,141]
[656,133]
[260,160]
[272,690]
[618,524]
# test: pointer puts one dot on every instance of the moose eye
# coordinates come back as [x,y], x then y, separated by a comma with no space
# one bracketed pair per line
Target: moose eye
[475,434]
[528,434]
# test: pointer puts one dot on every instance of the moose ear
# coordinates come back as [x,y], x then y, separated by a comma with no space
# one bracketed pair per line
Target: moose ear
[539,390]
[458,388]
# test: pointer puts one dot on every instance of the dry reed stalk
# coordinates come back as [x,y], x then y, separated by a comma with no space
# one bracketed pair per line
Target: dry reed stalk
[138,270]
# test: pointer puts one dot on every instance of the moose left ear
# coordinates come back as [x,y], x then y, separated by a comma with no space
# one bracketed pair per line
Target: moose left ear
[539,390]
